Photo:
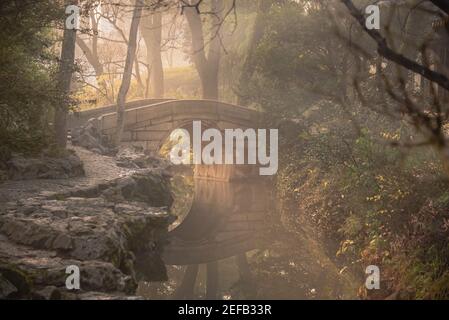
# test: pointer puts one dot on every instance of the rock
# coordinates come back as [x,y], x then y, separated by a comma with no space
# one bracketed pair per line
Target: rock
[21,168]
[113,231]
[144,187]
[6,288]
[63,242]
[47,293]
[14,282]
[3,175]
[41,274]
[135,158]
[100,238]
[149,186]
[90,137]
[90,229]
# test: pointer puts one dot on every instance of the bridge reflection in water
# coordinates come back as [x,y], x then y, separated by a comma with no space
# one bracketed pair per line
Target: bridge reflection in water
[226,219]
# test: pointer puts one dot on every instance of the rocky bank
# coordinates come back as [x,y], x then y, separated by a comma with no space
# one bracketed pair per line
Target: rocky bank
[111,223]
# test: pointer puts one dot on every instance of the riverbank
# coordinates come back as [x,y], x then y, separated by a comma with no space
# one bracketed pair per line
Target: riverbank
[111,223]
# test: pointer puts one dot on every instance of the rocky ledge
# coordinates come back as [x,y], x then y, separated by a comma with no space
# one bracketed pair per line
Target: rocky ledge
[113,232]
[19,167]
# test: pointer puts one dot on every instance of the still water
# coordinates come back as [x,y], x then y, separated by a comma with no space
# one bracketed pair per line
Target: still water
[229,243]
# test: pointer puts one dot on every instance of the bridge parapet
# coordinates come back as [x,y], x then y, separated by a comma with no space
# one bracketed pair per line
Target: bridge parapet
[78,118]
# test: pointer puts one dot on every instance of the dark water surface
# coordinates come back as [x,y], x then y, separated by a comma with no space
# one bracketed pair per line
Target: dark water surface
[232,236]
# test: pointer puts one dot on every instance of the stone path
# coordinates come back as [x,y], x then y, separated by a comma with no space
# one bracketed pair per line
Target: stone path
[98,169]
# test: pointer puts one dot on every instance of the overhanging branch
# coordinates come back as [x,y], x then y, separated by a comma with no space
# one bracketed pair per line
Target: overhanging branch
[385,51]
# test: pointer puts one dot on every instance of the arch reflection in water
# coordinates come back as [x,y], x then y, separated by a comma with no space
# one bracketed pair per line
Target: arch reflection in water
[226,219]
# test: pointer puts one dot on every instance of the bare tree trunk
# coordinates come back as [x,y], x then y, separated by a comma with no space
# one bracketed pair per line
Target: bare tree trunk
[91,56]
[157,74]
[64,81]
[206,65]
[209,83]
[151,29]
[141,86]
[249,66]
[127,72]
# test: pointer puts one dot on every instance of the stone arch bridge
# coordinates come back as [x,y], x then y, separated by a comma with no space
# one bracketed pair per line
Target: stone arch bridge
[148,124]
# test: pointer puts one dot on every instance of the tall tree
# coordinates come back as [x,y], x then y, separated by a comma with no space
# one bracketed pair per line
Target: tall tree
[64,79]
[151,30]
[207,64]
[27,83]
[127,72]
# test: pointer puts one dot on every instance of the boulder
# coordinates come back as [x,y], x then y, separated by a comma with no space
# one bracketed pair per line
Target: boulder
[135,158]
[44,167]
[89,137]
[47,293]
[6,288]
[149,186]
[88,229]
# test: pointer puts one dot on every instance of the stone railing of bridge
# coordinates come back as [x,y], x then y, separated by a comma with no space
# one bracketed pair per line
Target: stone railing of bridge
[78,118]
